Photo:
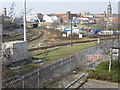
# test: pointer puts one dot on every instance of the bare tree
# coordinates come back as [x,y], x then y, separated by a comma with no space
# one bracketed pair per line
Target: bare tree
[108,49]
[11,10]
[7,20]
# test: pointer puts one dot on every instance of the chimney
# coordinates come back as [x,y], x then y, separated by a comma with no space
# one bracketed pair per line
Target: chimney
[105,13]
[68,15]
[4,13]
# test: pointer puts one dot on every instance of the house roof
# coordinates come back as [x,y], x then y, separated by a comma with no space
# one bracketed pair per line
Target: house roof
[113,15]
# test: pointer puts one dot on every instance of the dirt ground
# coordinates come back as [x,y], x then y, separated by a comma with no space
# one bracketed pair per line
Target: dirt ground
[50,37]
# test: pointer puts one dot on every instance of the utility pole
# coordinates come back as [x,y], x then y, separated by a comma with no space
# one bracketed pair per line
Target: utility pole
[119,29]
[24,18]
[71,34]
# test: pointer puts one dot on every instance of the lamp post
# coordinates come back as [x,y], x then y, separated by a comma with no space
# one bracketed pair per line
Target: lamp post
[24,18]
[71,34]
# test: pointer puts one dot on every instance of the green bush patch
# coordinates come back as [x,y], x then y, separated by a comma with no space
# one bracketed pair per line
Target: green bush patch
[102,73]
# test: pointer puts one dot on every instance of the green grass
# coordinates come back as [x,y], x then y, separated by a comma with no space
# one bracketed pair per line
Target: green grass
[102,73]
[24,70]
[62,52]
[94,26]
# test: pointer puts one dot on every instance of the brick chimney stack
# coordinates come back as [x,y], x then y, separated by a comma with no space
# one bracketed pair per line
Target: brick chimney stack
[68,15]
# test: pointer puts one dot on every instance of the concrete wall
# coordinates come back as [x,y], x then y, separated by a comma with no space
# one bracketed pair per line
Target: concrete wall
[20,51]
[14,51]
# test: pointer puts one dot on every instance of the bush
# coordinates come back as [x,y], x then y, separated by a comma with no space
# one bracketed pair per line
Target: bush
[102,66]
[102,73]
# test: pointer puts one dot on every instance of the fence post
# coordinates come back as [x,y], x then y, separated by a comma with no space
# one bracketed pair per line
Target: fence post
[23,83]
[70,63]
[38,77]
[61,63]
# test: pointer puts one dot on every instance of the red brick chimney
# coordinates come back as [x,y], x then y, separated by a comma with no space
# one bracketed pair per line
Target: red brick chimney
[68,15]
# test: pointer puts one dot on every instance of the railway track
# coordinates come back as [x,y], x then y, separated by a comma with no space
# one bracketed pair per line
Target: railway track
[34,35]
[60,45]
[41,34]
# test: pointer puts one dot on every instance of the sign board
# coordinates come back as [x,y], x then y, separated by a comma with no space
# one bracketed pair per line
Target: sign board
[93,58]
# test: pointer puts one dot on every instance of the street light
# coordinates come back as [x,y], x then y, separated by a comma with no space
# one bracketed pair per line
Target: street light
[24,18]
[71,34]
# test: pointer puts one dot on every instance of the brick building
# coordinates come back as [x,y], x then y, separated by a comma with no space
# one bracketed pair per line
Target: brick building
[67,16]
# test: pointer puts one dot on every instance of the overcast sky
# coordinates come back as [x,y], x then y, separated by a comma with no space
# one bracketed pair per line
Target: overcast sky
[61,6]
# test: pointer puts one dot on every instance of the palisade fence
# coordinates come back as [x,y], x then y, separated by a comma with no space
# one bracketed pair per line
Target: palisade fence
[51,72]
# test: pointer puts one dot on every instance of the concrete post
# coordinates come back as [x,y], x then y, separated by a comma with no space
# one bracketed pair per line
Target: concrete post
[98,40]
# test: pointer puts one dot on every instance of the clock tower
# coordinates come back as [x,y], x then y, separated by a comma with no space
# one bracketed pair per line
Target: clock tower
[109,9]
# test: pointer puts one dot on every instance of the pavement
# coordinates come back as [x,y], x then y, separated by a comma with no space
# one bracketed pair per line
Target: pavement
[99,84]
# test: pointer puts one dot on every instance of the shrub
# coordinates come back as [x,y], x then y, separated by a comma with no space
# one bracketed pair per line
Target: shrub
[102,73]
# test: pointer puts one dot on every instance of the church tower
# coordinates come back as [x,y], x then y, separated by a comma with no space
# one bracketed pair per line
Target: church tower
[109,9]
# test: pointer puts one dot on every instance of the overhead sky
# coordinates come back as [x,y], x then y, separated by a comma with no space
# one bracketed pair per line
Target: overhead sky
[61,6]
